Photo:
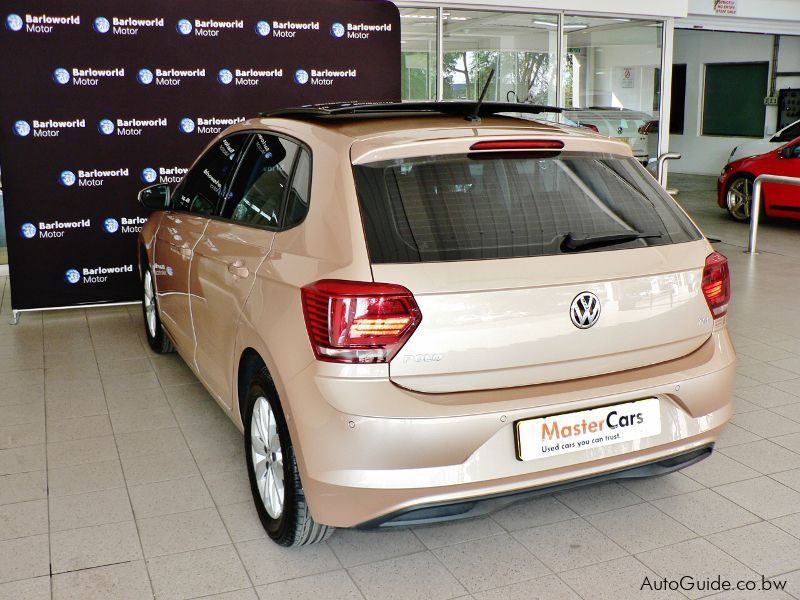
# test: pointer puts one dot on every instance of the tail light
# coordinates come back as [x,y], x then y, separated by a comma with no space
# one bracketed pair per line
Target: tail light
[644,128]
[590,126]
[355,322]
[717,284]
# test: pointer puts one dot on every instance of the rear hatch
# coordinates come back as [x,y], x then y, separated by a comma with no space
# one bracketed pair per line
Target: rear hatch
[532,267]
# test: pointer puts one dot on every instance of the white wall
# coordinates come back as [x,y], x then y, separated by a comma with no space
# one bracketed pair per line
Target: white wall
[706,155]
[661,8]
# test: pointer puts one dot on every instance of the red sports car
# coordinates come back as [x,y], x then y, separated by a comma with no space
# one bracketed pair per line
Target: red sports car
[735,185]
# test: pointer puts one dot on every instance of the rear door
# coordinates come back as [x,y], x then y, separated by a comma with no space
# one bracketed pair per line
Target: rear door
[228,257]
[194,200]
[501,249]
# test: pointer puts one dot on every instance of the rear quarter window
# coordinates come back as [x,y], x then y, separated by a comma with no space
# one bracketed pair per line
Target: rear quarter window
[491,206]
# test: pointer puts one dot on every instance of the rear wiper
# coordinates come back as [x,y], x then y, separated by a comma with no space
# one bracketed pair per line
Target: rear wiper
[577,242]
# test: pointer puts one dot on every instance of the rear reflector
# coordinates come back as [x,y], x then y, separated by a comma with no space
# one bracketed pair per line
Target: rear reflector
[518,145]
[717,284]
[355,322]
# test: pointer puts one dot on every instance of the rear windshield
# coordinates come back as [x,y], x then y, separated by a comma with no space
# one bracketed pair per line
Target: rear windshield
[478,206]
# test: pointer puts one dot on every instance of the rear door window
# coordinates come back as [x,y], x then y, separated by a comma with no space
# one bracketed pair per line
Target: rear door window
[471,207]
[259,189]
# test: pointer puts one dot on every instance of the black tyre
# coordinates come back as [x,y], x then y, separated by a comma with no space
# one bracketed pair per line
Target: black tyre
[156,337]
[272,468]
[739,197]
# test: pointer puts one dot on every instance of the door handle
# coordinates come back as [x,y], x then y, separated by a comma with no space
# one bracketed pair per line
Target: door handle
[237,269]
[186,252]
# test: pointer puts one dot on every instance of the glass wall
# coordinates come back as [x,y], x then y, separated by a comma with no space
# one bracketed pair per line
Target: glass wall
[611,79]
[522,49]
[418,53]
[609,67]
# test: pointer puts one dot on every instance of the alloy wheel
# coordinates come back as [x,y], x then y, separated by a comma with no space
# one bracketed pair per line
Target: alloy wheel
[267,455]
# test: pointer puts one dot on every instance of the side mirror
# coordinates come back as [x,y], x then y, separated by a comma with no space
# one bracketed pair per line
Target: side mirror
[154,197]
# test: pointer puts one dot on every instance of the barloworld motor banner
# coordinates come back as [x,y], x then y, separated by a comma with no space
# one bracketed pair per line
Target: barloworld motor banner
[99,98]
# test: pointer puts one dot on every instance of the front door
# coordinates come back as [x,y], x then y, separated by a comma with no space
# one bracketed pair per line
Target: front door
[783,200]
[182,227]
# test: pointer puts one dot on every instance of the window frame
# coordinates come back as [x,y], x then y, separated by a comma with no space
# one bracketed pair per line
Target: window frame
[250,133]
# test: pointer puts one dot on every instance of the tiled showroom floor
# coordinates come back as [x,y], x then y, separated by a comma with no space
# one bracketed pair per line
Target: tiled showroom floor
[121,479]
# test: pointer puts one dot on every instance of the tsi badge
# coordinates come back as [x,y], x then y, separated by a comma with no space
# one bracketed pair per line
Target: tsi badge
[28,231]
[263,29]
[585,310]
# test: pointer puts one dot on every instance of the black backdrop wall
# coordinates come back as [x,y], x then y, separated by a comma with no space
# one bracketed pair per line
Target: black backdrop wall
[99,98]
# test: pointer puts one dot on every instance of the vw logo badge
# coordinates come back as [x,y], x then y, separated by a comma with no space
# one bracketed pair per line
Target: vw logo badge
[585,310]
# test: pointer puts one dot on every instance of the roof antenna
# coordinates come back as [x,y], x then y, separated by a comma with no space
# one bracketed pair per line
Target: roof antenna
[473,116]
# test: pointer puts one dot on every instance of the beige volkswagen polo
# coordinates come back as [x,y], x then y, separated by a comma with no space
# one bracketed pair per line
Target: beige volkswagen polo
[422,312]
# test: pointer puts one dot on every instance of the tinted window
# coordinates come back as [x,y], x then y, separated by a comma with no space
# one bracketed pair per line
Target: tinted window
[297,206]
[259,189]
[464,207]
[792,132]
[201,188]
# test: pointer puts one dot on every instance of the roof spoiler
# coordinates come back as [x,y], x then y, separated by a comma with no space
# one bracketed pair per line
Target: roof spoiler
[383,109]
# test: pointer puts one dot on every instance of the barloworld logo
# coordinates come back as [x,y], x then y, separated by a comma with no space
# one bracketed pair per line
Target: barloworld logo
[67,178]
[129,127]
[163,174]
[102,25]
[248,77]
[53,229]
[169,76]
[225,76]
[263,29]
[145,76]
[125,25]
[149,175]
[106,126]
[90,178]
[184,27]
[28,231]
[323,76]
[124,225]
[95,274]
[14,22]
[41,23]
[111,225]
[61,76]
[338,30]
[301,76]
[22,128]
[87,76]
[47,128]
[187,125]
[207,124]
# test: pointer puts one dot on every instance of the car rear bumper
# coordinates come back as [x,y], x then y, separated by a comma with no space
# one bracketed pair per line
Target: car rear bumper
[371,470]
[481,505]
